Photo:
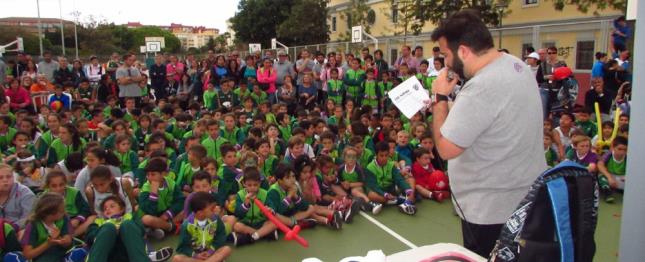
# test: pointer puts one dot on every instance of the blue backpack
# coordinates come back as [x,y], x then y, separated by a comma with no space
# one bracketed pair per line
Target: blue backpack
[556,221]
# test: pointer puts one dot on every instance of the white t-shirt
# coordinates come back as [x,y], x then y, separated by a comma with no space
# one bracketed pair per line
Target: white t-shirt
[497,119]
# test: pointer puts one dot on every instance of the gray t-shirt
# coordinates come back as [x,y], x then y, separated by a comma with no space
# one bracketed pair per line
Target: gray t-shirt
[309,68]
[283,69]
[132,89]
[48,69]
[318,68]
[497,119]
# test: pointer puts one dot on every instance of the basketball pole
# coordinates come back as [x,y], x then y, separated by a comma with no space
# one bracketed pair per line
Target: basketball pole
[632,233]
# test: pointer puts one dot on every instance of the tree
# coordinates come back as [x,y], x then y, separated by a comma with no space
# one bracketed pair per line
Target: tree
[584,5]
[357,13]
[173,45]
[410,19]
[435,11]
[29,40]
[306,24]
[256,21]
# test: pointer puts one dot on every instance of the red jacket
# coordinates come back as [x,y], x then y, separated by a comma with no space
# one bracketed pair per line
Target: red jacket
[18,97]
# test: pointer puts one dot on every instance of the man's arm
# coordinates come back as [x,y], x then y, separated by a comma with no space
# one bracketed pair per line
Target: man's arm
[447,149]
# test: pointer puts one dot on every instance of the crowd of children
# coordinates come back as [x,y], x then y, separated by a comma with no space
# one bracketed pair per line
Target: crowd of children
[108,174]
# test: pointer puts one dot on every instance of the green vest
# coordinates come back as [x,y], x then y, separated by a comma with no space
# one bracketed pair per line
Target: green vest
[354,91]
[370,97]
[5,139]
[165,194]
[126,164]
[254,215]
[209,99]
[241,94]
[366,157]
[281,192]
[185,176]
[99,221]
[62,150]
[335,89]
[43,234]
[616,168]
[285,131]
[269,164]
[212,147]
[201,237]
[383,174]
[230,136]
[70,201]
[351,177]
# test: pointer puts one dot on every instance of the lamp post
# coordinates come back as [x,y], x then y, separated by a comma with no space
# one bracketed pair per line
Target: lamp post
[62,34]
[500,7]
[40,29]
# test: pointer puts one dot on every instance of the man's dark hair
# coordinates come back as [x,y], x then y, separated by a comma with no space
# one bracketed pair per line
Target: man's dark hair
[477,37]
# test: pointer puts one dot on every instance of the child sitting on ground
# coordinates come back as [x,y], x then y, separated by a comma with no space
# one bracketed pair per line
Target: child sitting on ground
[430,183]
[612,168]
[252,224]
[582,153]
[118,236]
[203,235]
[76,207]
[383,178]
[160,200]
[48,236]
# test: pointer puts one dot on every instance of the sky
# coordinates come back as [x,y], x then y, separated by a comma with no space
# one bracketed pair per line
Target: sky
[208,13]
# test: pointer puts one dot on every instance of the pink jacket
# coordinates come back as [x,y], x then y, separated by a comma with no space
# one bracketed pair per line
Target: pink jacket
[326,75]
[18,97]
[267,77]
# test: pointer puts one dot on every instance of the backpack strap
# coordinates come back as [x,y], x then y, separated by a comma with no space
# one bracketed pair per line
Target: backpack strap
[559,196]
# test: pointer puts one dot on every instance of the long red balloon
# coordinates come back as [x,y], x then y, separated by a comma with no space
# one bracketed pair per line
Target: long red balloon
[290,234]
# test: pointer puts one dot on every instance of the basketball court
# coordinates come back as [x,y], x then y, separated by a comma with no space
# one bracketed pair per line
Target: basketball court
[392,232]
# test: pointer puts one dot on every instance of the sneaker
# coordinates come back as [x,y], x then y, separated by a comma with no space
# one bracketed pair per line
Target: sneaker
[174,228]
[393,201]
[609,199]
[373,207]
[440,196]
[408,208]
[337,220]
[307,223]
[274,236]
[162,254]
[157,233]
[351,212]
[241,239]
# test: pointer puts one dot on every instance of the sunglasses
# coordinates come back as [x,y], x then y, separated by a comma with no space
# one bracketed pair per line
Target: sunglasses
[552,53]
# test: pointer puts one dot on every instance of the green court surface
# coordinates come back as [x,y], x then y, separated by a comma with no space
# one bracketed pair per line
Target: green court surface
[433,223]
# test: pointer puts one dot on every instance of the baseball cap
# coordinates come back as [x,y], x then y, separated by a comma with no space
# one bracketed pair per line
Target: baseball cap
[534,55]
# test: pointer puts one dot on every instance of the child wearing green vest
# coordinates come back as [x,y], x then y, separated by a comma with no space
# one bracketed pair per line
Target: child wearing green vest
[385,85]
[258,95]
[203,235]
[185,176]
[335,88]
[229,176]
[6,132]
[128,158]
[9,245]
[209,97]
[46,139]
[214,141]
[284,125]
[352,180]
[383,178]
[353,81]
[47,236]
[243,90]
[117,235]
[230,132]
[68,142]
[268,161]
[76,207]
[160,199]
[252,224]
[286,200]
[612,167]
[422,75]
[371,93]
[183,157]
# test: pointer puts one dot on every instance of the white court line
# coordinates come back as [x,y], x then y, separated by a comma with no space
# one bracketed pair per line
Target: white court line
[388,230]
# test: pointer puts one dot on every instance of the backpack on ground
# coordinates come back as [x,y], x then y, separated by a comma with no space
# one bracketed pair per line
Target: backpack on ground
[556,221]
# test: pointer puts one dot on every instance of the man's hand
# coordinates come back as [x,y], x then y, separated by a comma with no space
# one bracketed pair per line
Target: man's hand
[442,85]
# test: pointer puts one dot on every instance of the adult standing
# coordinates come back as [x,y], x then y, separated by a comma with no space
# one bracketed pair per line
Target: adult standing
[267,76]
[418,53]
[304,65]
[47,66]
[318,69]
[381,64]
[218,71]
[283,68]
[597,69]
[94,71]
[533,61]
[128,78]
[20,66]
[551,63]
[175,68]
[325,74]
[63,74]
[494,150]
[113,65]
[436,53]
[407,58]
[158,74]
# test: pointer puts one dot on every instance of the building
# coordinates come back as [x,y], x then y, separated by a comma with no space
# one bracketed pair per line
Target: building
[31,23]
[189,36]
[532,23]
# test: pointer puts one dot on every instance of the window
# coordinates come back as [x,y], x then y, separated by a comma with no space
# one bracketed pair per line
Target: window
[585,55]
[349,22]
[530,2]
[525,46]
[333,24]
[395,14]
[393,55]
[547,44]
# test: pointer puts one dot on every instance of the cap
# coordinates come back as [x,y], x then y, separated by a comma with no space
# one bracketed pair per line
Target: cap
[533,55]
[281,52]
